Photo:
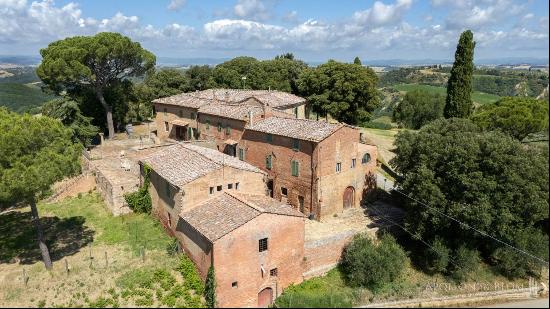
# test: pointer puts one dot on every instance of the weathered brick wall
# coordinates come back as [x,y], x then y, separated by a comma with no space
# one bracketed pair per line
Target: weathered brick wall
[257,148]
[199,190]
[212,133]
[342,147]
[321,255]
[196,246]
[236,259]
[172,113]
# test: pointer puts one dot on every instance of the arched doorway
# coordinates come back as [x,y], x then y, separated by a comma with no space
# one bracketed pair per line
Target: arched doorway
[349,196]
[265,298]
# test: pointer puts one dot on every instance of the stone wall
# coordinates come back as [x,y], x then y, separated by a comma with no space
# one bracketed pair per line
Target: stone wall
[323,254]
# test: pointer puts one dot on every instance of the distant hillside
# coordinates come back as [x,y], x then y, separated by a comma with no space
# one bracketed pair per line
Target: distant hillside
[22,97]
[478,97]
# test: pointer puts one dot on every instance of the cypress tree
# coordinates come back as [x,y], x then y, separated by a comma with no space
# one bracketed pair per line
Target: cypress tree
[459,87]
[357,61]
[210,288]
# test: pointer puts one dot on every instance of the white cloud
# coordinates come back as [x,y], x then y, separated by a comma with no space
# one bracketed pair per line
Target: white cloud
[251,9]
[176,5]
[380,30]
[382,14]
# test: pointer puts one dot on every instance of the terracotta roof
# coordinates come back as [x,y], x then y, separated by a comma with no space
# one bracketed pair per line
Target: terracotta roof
[233,111]
[179,122]
[182,163]
[303,129]
[276,99]
[224,213]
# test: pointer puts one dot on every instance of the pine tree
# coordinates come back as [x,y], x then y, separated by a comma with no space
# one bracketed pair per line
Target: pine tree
[459,87]
[357,61]
[210,288]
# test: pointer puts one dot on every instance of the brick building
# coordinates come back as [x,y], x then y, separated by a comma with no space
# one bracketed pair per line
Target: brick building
[221,114]
[216,206]
[318,167]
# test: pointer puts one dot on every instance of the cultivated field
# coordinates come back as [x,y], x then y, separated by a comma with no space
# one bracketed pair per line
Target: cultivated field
[112,261]
[478,97]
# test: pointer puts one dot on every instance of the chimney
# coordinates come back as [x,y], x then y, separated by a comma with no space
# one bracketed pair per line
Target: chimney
[250,119]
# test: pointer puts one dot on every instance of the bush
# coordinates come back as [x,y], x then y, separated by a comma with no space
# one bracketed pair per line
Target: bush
[437,259]
[140,201]
[466,263]
[371,265]
[513,264]
[189,272]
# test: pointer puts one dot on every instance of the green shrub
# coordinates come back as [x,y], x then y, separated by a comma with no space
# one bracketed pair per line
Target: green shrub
[190,274]
[371,265]
[465,264]
[140,201]
[210,288]
[138,278]
[437,259]
[419,107]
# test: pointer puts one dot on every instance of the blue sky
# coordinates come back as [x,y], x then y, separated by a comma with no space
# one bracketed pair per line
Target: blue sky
[313,30]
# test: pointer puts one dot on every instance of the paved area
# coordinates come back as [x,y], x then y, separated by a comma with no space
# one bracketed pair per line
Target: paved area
[534,303]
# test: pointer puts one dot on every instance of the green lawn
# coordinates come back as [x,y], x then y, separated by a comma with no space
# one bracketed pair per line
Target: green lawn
[478,97]
[113,261]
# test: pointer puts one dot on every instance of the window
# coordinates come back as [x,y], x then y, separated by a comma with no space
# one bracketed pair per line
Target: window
[268,162]
[338,167]
[189,133]
[219,126]
[229,186]
[211,190]
[167,189]
[193,116]
[235,285]
[353,163]
[166,126]
[219,188]
[296,144]
[284,191]
[169,219]
[262,245]
[227,130]
[295,168]
[273,272]
[207,124]
[269,138]
[236,186]
[296,112]
[241,154]
[366,158]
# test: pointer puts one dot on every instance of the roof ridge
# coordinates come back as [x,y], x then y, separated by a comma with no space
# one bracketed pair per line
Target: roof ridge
[246,202]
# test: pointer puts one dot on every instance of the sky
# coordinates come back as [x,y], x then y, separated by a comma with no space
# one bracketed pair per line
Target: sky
[314,30]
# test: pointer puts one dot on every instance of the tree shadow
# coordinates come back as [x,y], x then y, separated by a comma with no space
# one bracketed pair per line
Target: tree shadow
[64,236]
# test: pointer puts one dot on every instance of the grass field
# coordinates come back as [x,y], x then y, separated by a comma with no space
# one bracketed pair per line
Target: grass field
[384,140]
[478,97]
[22,97]
[113,261]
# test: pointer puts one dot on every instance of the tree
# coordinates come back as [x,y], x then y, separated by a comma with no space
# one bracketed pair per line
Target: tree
[357,61]
[345,91]
[210,288]
[516,116]
[369,264]
[35,152]
[487,180]
[93,62]
[198,77]
[418,108]
[459,87]
[68,112]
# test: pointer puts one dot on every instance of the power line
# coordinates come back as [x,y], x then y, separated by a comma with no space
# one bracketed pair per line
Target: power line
[419,238]
[473,228]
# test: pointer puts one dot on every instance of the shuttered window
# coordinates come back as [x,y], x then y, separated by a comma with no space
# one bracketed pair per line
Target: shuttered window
[295,168]
[268,162]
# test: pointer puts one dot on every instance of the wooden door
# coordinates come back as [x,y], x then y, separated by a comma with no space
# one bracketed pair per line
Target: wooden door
[265,298]
[348,197]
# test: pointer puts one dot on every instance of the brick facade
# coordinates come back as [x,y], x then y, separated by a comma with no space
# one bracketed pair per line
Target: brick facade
[318,184]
